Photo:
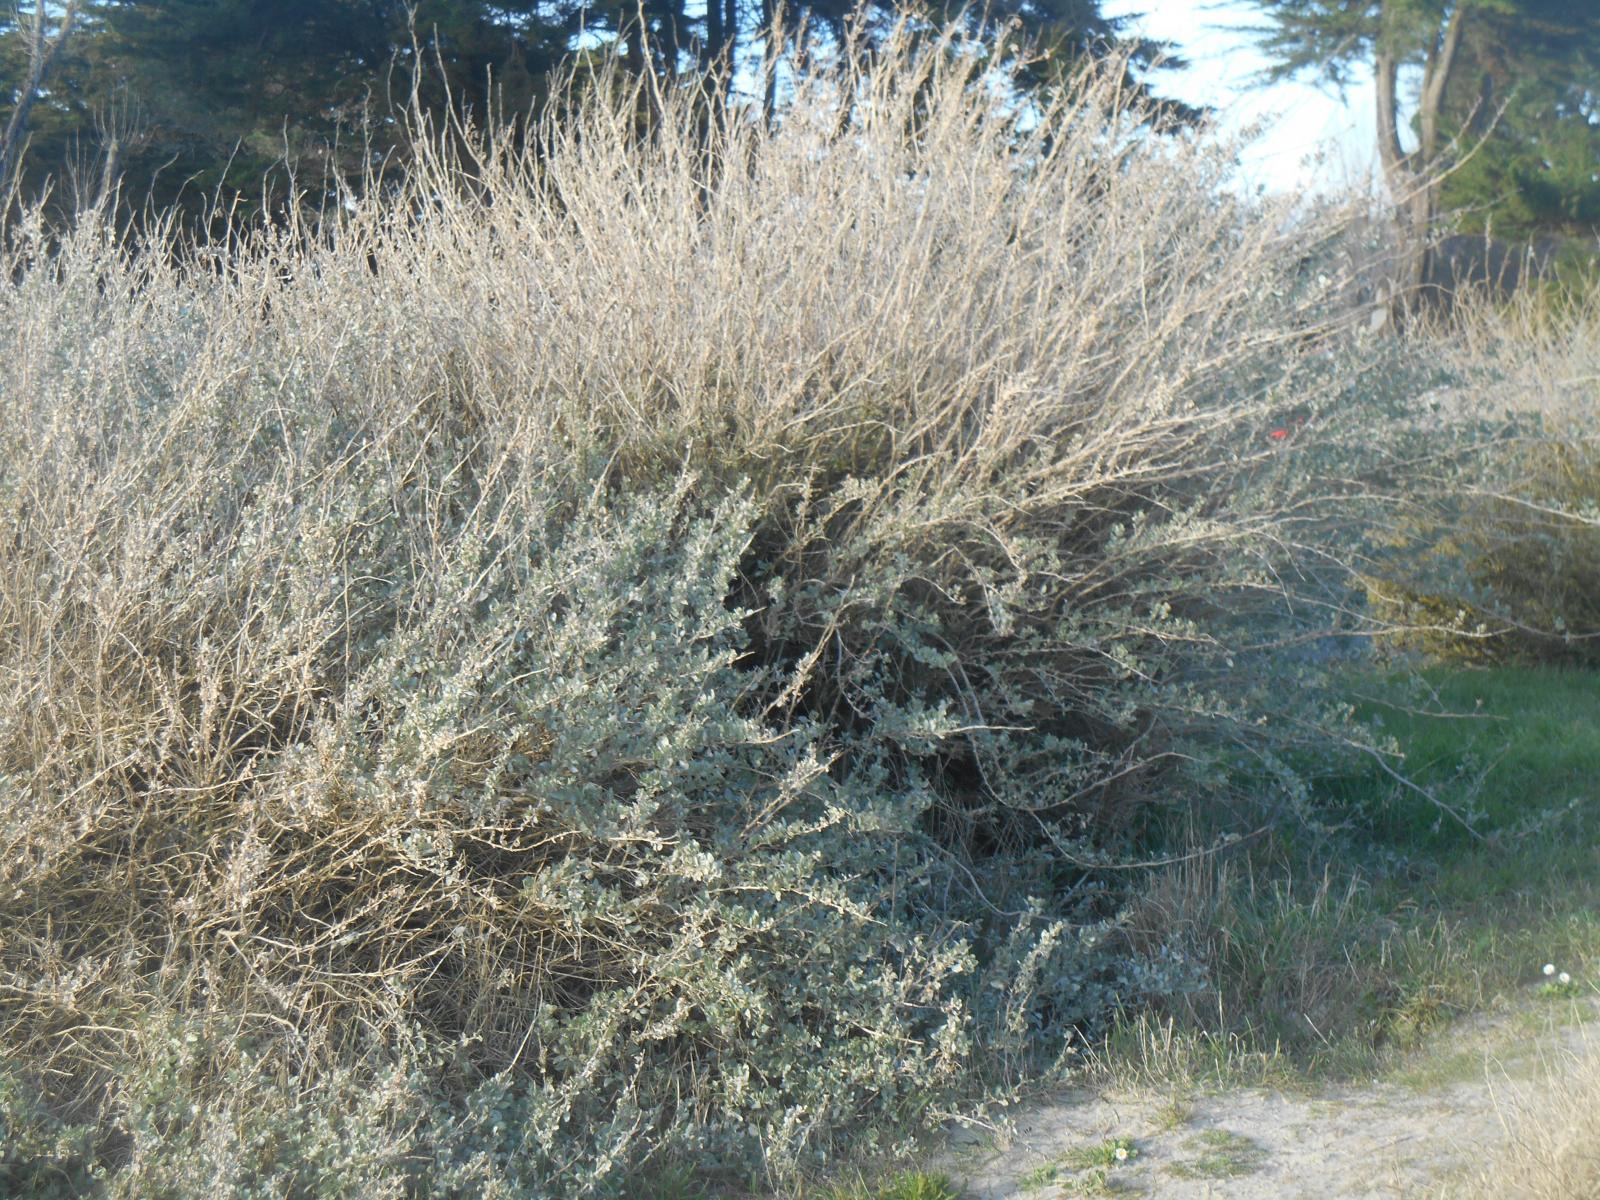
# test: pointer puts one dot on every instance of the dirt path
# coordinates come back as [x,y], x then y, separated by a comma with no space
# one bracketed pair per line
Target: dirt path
[1432,1123]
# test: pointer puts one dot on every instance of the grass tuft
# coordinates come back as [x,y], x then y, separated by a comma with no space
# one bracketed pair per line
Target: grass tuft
[1219,1154]
[903,1185]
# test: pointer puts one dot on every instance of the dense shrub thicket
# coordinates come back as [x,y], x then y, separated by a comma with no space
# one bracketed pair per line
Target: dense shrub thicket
[1499,544]
[631,654]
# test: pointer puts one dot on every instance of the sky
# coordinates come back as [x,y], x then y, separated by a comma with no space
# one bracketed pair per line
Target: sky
[1310,138]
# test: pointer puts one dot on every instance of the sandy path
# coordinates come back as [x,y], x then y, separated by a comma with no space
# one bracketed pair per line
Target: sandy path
[1411,1136]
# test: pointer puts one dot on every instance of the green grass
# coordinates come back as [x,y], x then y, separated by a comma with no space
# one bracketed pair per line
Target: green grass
[1478,913]
[1040,1177]
[905,1185]
[1515,748]
[1338,953]
[1098,1182]
[1091,1164]
[1219,1154]
[1174,1113]
[1110,1153]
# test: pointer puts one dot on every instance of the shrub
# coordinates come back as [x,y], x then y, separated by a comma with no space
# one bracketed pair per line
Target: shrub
[1498,557]
[612,663]
[1517,568]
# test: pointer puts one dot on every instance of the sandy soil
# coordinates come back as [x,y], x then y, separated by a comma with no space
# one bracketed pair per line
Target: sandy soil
[1433,1123]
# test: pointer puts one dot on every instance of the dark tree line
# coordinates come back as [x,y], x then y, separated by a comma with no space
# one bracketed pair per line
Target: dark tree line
[237,103]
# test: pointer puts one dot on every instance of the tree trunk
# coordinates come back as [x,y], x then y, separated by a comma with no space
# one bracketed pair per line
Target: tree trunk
[769,92]
[41,57]
[1414,176]
[711,50]
[730,37]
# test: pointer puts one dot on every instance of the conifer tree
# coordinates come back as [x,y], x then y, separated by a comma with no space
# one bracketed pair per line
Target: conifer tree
[238,106]
[1486,106]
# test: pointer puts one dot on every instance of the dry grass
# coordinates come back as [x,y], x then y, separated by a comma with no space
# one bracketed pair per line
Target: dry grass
[1552,1150]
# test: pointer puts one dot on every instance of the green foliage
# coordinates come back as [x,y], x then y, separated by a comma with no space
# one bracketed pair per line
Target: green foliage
[1337,955]
[1519,95]
[1335,40]
[42,1157]
[1526,89]
[254,108]
[1556,989]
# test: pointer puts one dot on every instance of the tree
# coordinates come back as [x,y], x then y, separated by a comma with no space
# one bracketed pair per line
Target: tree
[1450,65]
[726,35]
[1536,174]
[39,49]
[229,94]
[239,86]
[253,103]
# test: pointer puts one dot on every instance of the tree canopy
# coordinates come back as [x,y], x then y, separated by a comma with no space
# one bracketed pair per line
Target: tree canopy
[1488,110]
[202,97]
[1530,84]
[189,101]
